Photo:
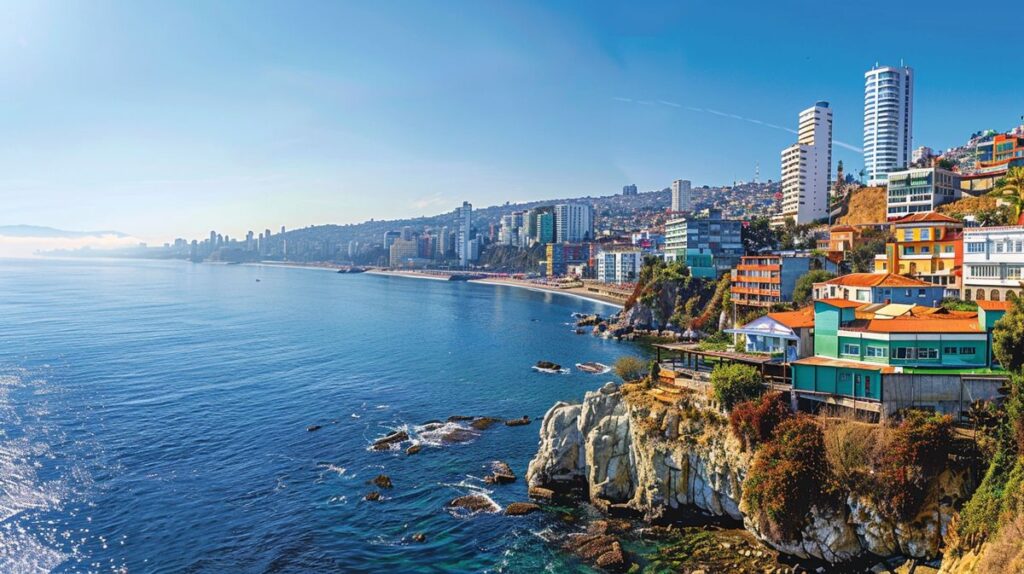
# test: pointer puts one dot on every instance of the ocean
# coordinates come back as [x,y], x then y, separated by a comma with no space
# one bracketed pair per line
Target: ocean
[154,415]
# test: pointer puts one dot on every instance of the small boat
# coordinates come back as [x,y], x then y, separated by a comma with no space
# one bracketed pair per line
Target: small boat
[593,368]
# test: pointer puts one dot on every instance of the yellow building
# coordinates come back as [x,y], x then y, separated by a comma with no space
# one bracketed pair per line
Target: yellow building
[928,246]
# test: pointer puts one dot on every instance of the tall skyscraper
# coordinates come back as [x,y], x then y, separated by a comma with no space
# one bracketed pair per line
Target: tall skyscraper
[464,222]
[574,222]
[888,120]
[807,167]
[629,189]
[681,195]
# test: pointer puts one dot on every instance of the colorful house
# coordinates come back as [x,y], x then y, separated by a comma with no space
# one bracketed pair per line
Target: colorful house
[864,288]
[788,334]
[878,364]
[928,246]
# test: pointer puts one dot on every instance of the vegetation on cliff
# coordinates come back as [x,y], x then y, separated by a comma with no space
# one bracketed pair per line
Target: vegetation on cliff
[753,422]
[673,296]
[863,206]
[736,383]
[790,475]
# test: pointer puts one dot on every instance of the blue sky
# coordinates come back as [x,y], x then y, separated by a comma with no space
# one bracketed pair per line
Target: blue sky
[171,118]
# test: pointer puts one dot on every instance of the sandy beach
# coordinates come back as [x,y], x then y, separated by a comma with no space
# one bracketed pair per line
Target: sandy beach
[580,292]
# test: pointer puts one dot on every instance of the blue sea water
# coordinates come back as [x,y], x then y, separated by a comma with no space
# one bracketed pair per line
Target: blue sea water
[153,417]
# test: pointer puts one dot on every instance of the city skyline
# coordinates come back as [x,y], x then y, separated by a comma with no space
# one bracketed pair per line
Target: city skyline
[239,117]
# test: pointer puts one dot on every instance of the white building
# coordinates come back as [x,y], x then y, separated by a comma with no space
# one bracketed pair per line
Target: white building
[574,223]
[922,156]
[464,221]
[619,266]
[807,167]
[993,261]
[888,121]
[920,190]
[681,195]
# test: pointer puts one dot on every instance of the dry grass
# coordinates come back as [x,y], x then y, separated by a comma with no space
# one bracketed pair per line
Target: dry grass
[1005,554]
[850,448]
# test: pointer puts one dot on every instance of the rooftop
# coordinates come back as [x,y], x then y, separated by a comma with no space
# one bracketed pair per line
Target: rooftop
[877,280]
[830,362]
[930,216]
[994,305]
[799,319]
[925,324]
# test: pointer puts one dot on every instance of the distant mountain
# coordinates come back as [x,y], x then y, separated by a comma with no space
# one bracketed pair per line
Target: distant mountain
[40,231]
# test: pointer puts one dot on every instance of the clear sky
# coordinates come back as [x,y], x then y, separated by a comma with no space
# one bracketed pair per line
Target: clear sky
[162,119]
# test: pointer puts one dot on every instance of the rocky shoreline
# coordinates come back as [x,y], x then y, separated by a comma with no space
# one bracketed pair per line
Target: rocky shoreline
[627,454]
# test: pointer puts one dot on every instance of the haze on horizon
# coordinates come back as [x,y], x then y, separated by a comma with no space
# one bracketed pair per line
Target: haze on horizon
[163,119]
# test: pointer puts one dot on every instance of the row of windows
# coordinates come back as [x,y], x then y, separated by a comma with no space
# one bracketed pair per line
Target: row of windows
[1003,246]
[852,349]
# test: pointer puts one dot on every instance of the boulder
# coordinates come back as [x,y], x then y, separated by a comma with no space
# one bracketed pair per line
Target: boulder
[313,428]
[384,443]
[414,449]
[419,537]
[372,496]
[473,503]
[541,493]
[548,365]
[484,423]
[501,474]
[382,481]
[521,508]
[518,422]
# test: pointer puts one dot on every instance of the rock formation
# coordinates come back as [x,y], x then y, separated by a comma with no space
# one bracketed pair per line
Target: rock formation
[638,454]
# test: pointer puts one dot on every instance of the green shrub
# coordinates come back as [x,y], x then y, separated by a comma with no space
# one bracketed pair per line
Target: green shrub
[753,421]
[734,384]
[630,368]
[789,476]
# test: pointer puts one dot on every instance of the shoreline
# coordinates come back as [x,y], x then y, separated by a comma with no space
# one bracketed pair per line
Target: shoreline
[409,274]
[577,292]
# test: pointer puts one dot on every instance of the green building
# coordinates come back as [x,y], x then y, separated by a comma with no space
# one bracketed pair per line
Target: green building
[879,359]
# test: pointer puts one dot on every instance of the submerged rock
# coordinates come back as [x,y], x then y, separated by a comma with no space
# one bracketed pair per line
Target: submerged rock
[414,449]
[382,481]
[474,503]
[501,474]
[384,443]
[484,423]
[525,420]
[521,508]
[372,496]
[313,428]
[419,537]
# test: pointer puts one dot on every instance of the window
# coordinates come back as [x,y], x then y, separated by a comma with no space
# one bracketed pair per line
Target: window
[926,234]
[920,292]
[993,295]
[977,247]
[905,353]
[925,353]
[876,352]
[948,249]
[984,271]
[867,384]
[999,247]
[1013,271]
[949,351]
[967,350]
[926,249]
[862,295]
[908,235]
[851,349]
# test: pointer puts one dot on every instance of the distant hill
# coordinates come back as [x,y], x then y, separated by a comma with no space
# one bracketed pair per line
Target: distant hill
[864,206]
[41,231]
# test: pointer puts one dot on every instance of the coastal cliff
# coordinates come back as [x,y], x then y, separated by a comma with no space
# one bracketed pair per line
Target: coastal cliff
[628,451]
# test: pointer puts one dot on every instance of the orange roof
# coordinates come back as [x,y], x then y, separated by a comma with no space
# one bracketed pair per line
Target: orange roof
[994,305]
[877,280]
[830,362]
[841,303]
[929,216]
[798,319]
[923,325]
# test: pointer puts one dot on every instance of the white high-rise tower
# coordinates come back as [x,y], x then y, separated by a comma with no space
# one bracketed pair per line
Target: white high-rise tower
[807,167]
[681,195]
[888,121]
[464,220]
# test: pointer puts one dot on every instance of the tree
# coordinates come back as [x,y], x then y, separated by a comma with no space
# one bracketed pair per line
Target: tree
[758,236]
[630,368]
[862,258]
[805,284]
[1008,337]
[735,383]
